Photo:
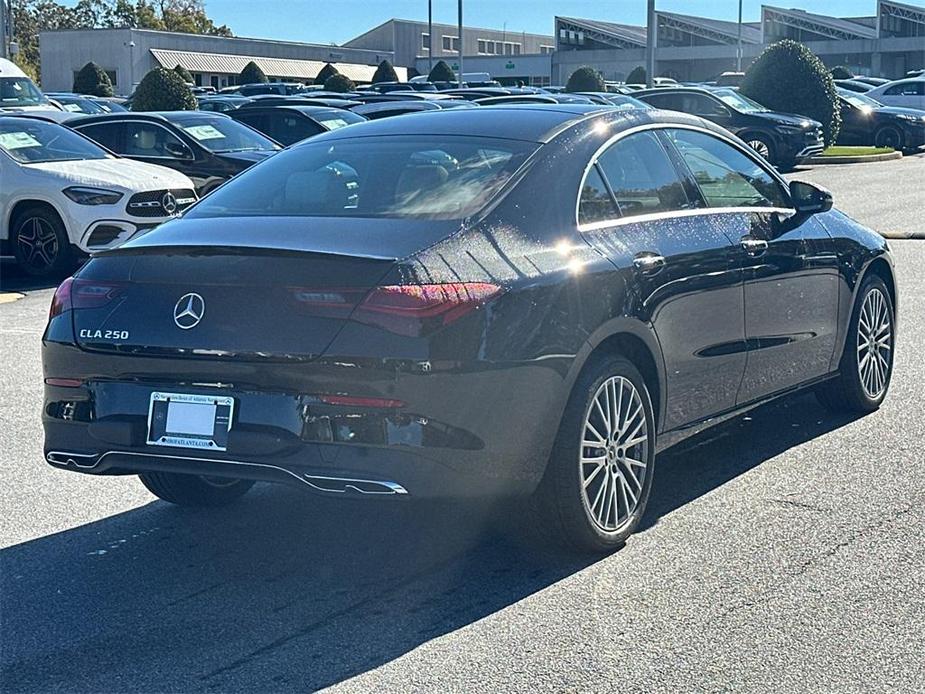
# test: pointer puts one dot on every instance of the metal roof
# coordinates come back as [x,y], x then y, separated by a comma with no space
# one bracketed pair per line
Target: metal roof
[716,29]
[832,27]
[225,63]
[628,33]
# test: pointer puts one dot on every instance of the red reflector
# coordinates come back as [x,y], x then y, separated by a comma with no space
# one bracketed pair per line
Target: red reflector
[360,402]
[61,301]
[64,382]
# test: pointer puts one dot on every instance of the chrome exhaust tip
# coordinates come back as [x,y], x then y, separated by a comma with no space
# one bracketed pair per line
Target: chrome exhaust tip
[342,485]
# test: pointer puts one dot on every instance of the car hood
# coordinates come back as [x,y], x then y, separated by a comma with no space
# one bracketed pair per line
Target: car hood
[120,174]
[789,119]
[245,159]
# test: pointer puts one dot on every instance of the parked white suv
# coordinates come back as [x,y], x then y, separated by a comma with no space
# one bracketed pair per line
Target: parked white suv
[18,92]
[62,194]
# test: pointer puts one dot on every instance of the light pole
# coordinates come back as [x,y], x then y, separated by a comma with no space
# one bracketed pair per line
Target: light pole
[430,34]
[651,33]
[131,66]
[739,42]
[460,32]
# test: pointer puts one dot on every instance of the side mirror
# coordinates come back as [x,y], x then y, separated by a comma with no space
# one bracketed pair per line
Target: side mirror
[178,150]
[809,198]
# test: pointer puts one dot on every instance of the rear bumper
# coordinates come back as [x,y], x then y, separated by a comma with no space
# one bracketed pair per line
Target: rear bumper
[450,430]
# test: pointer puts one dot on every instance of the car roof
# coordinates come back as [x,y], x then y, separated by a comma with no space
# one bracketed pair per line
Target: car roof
[679,88]
[527,122]
[154,116]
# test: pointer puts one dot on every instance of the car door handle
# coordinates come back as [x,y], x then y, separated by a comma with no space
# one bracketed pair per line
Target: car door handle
[648,263]
[754,246]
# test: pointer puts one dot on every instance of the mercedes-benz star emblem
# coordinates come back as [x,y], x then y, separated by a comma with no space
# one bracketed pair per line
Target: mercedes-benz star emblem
[169,203]
[189,311]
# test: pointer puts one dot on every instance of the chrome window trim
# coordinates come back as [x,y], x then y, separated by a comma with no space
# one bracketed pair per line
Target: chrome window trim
[742,147]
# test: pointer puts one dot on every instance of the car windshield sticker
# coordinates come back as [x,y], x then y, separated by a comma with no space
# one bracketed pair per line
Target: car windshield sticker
[18,140]
[335,123]
[204,132]
[73,108]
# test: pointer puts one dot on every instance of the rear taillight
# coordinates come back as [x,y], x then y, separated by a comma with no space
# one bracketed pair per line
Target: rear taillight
[405,309]
[61,301]
[80,293]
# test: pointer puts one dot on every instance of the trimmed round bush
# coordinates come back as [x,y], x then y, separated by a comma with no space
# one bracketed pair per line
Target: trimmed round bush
[637,75]
[585,79]
[326,72]
[339,83]
[163,90]
[184,73]
[92,79]
[789,77]
[252,74]
[441,72]
[840,72]
[385,73]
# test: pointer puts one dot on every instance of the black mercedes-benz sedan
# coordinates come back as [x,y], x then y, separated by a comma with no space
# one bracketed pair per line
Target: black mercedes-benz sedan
[524,300]
[208,147]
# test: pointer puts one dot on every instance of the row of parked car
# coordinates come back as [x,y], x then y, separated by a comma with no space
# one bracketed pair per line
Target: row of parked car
[95,179]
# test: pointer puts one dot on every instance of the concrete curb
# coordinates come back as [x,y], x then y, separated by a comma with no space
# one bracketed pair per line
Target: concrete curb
[904,235]
[853,160]
[10,297]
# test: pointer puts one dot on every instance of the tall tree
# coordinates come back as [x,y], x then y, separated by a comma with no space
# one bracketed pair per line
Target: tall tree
[30,17]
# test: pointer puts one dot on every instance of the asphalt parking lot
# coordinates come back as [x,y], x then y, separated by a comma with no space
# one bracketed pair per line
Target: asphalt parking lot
[781,552]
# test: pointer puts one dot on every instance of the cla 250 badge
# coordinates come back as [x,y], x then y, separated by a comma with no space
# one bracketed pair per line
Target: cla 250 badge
[104,334]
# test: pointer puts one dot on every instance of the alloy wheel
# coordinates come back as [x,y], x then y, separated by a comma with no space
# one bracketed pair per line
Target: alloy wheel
[614,454]
[760,147]
[888,137]
[874,344]
[38,243]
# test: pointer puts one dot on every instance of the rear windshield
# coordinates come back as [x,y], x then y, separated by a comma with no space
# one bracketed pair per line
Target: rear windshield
[423,177]
[20,91]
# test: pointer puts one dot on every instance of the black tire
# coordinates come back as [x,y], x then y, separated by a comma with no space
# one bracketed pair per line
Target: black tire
[847,392]
[194,490]
[40,243]
[763,145]
[888,136]
[562,509]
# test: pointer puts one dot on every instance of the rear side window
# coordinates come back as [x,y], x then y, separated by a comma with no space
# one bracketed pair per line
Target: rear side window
[415,176]
[669,102]
[726,176]
[595,204]
[906,89]
[107,134]
[642,176]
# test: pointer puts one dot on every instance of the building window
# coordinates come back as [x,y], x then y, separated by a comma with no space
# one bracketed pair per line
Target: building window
[425,41]
[451,43]
[516,49]
[545,50]
[482,47]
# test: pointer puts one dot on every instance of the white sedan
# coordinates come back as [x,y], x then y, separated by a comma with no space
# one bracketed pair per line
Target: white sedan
[906,93]
[63,195]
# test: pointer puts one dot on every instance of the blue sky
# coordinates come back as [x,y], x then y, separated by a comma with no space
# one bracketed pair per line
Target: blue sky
[327,21]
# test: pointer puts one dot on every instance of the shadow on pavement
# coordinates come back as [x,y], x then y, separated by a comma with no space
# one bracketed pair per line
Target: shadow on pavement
[286,590]
[12,279]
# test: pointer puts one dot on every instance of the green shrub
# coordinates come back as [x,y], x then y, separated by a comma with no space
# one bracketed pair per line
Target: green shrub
[585,79]
[840,72]
[185,74]
[788,77]
[637,75]
[163,90]
[385,73]
[441,72]
[252,74]
[92,79]
[339,83]
[327,71]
